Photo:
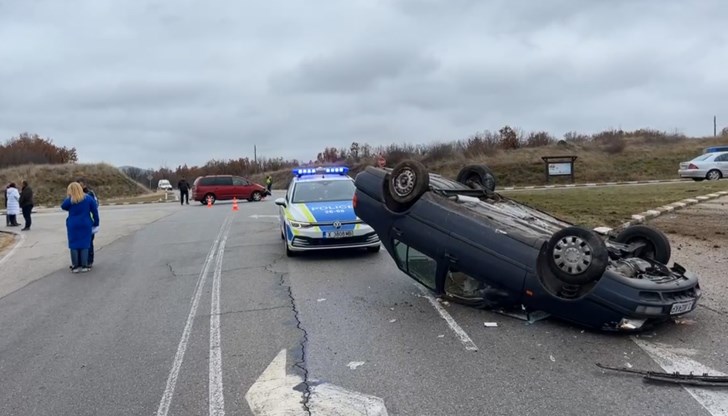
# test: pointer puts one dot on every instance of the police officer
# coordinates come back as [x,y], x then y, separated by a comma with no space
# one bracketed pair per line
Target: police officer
[184,191]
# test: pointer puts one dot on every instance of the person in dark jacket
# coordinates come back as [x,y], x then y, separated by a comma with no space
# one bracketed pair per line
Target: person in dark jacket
[184,191]
[88,191]
[26,204]
[83,217]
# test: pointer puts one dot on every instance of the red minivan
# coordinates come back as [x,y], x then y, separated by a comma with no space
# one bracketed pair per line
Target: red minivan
[226,187]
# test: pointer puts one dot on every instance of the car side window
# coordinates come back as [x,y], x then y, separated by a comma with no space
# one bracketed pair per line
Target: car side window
[206,181]
[418,265]
[461,285]
[722,158]
[225,181]
[238,181]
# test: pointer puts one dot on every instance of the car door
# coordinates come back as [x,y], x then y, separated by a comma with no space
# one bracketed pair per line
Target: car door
[224,187]
[722,163]
[425,269]
[241,187]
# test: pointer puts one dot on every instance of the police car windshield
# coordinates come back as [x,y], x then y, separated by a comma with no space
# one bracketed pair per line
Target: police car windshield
[321,191]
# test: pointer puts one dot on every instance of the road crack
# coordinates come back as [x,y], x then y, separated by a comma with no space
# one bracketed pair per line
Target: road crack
[301,364]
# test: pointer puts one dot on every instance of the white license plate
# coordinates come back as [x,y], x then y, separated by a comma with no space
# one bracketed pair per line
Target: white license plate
[681,307]
[339,234]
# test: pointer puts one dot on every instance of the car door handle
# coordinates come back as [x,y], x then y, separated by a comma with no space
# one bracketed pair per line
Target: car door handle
[452,258]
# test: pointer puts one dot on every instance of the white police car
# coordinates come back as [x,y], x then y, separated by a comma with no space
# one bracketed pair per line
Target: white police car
[317,213]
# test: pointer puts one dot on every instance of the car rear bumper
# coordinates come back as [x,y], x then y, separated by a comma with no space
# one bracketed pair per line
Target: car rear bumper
[692,173]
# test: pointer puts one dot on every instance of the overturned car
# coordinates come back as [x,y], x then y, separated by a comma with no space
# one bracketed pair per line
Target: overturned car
[470,244]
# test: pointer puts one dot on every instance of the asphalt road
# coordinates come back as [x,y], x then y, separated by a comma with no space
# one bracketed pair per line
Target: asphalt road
[164,325]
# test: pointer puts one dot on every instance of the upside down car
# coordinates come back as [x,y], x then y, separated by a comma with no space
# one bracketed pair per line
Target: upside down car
[467,243]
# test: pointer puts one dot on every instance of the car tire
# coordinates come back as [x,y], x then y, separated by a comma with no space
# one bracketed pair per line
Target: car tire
[657,244]
[256,196]
[408,181]
[713,175]
[477,176]
[210,197]
[577,255]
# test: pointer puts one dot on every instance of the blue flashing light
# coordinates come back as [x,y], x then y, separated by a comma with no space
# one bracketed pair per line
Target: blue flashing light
[341,170]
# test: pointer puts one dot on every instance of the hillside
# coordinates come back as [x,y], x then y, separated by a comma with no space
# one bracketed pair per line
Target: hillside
[623,159]
[49,182]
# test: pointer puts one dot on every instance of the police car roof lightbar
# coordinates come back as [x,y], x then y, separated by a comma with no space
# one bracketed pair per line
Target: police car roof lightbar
[341,170]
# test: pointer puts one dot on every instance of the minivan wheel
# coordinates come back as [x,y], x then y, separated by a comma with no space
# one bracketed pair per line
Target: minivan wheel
[209,197]
[256,196]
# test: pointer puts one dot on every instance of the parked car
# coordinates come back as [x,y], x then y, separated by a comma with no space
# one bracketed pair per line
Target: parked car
[467,243]
[226,187]
[711,166]
[164,184]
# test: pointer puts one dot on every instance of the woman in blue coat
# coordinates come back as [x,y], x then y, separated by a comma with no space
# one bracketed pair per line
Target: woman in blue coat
[83,216]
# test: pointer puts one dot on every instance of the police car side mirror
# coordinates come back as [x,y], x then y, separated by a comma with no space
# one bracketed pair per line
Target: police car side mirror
[281,202]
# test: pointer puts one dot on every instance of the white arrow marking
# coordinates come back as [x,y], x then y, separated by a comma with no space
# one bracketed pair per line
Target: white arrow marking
[273,394]
[714,401]
[256,216]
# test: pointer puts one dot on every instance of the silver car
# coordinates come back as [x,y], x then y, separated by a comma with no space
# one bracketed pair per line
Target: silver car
[710,166]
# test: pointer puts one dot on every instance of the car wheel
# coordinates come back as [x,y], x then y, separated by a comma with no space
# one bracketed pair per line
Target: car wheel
[657,246]
[577,255]
[407,182]
[477,177]
[256,196]
[713,175]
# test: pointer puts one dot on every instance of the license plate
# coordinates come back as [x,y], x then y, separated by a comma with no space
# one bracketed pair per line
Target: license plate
[681,307]
[339,234]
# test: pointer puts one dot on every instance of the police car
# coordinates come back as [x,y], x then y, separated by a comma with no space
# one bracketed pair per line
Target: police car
[317,213]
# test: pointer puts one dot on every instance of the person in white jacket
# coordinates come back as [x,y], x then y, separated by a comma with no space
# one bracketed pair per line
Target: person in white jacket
[13,204]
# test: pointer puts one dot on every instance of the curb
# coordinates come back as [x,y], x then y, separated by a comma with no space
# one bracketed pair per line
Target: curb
[654,213]
[578,185]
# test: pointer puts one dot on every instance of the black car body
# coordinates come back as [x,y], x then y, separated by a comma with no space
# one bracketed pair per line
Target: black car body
[468,243]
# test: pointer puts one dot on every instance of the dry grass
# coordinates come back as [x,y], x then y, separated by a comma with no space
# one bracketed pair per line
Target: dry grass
[151,197]
[611,206]
[49,182]
[6,240]
[633,158]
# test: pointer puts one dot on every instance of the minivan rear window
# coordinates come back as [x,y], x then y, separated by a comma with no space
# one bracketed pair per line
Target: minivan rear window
[216,181]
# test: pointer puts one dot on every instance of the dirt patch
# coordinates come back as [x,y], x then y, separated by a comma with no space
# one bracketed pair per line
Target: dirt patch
[704,222]
[6,240]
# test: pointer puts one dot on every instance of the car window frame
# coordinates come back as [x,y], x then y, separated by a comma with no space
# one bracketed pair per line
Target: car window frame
[404,265]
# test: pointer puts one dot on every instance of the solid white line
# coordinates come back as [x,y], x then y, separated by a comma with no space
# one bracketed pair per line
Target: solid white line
[182,347]
[217,398]
[12,250]
[464,338]
[714,401]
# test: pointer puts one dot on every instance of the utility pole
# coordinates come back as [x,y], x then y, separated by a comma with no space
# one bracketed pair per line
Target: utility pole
[715,126]
[255,154]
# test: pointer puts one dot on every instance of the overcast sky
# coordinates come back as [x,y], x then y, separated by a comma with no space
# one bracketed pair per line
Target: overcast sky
[159,82]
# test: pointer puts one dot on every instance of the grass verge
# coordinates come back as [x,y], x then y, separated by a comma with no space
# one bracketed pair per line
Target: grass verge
[611,206]
[153,197]
[6,240]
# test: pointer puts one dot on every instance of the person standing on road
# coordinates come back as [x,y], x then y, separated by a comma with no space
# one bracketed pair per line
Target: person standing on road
[269,184]
[26,204]
[184,191]
[13,204]
[83,217]
[92,194]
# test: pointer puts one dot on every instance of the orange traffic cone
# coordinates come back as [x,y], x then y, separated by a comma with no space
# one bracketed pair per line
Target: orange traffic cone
[209,202]
[235,204]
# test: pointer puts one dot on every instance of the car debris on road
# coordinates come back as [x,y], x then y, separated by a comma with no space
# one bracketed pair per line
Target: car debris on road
[705,380]
[471,245]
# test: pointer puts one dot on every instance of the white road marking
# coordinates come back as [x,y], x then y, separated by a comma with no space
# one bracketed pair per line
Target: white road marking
[713,400]
[464,338]
[274,393]
[217,397]
[182,347]
[12,250]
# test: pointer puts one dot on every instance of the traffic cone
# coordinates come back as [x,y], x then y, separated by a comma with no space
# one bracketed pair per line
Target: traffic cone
[209,202]
[235,204]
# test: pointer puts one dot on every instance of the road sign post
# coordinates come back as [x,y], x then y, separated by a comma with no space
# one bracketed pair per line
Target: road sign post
[559,166]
